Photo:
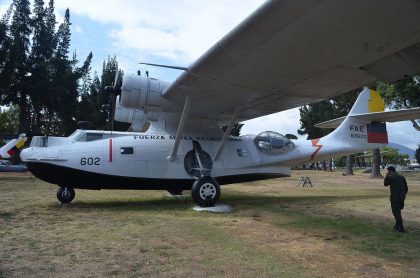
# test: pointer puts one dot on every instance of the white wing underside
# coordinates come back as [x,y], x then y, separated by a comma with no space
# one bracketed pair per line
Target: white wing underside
[290,53]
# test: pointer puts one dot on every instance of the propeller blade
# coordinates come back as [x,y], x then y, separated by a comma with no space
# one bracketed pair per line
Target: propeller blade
[117,76]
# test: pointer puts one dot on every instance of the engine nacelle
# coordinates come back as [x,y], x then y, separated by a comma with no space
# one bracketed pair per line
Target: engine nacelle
[136,118]
[143,93]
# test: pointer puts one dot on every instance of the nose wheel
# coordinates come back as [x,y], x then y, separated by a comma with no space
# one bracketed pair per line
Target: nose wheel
[205,191]
[65,194]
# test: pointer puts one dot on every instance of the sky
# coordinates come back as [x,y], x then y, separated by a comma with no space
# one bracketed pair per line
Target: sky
[173,33]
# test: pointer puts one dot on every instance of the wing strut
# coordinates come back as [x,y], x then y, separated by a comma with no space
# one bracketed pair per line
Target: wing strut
[181,127]
[415,125]
[227,132]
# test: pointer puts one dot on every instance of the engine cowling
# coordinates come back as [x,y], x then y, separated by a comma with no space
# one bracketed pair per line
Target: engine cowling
[144,93]
[136,118]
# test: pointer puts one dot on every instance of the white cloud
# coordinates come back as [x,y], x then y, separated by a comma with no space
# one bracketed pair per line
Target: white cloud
[403,133]
[78,29]
[180,31]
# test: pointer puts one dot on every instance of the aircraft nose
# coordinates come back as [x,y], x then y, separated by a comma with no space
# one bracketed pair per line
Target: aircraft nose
[24,154]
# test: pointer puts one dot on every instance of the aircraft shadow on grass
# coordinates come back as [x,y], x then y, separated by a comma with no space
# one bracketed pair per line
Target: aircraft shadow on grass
[185,202]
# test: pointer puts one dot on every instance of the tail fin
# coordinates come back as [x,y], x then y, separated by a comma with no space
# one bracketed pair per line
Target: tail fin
[364,128]
[369,101]
[12,147]
[358,133]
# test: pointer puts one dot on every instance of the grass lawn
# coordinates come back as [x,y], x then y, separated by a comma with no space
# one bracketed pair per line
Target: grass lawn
[342,227]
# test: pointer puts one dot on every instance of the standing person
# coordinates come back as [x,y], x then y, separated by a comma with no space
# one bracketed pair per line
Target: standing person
[399,189]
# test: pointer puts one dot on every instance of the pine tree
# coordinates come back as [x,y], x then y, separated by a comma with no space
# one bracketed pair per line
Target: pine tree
[41,50]
[50,22]
[20,32]
[39,33]
[64,93]
[4,36]
[5,42]
[63,38]
[109,69]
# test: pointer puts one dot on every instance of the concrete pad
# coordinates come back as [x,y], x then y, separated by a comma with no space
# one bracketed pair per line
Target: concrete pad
[218,208]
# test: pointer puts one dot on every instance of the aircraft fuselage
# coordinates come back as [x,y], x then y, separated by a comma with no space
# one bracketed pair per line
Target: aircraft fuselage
[141,161]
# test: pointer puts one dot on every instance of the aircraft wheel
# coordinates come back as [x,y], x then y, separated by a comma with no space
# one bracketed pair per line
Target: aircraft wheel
[175,191]
[205,191]
[65,194]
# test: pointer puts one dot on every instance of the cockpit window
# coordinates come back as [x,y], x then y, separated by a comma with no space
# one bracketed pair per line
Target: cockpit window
[94,136]
[78,136]
[273,142]
[82,136]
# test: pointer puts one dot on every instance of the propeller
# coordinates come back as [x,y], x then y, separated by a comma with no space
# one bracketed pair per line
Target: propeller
[112,92]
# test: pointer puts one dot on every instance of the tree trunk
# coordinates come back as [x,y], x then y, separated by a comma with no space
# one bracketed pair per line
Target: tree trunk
[324,165]
[376,164]
[349,165]
[330,165]
[23,115]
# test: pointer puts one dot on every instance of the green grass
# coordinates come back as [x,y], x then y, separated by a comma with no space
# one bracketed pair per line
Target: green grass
[276,230]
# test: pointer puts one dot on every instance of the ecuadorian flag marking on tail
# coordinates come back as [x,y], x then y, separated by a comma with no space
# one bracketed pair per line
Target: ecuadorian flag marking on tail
[377,133]
[376,103]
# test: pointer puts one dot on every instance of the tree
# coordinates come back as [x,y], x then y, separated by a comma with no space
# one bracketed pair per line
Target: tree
[20,32]
[109,70]
[417,154]
[36,72]
[315,113]
[402,94]
[9,120]
[376,162]
[5,42]
[392,156]
[349,165]
[40,58]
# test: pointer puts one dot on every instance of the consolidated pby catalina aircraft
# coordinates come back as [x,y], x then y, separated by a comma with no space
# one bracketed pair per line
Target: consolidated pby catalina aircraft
[286,54]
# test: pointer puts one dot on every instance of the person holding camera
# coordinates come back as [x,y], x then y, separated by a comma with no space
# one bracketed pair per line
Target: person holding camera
[399,189]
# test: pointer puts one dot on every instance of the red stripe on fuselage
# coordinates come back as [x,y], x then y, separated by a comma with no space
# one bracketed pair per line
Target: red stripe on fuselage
[318,148]
[315,144]
[110,150]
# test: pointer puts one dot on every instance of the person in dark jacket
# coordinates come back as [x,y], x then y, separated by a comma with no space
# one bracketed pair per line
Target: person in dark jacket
[399,189]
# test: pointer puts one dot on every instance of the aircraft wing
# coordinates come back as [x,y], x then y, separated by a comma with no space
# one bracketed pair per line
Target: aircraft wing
[290,53]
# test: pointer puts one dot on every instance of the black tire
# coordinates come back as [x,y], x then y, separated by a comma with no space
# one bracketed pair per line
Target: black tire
[65,194]
[205,192]
[175,191]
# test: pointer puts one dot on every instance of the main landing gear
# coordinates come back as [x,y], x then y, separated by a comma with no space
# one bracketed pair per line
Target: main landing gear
[198,164]
[65,194]
[205,191]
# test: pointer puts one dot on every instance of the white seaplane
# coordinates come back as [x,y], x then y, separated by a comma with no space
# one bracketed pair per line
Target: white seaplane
[286,54]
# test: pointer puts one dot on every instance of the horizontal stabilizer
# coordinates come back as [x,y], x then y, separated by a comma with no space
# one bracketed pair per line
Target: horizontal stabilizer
[387,116]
